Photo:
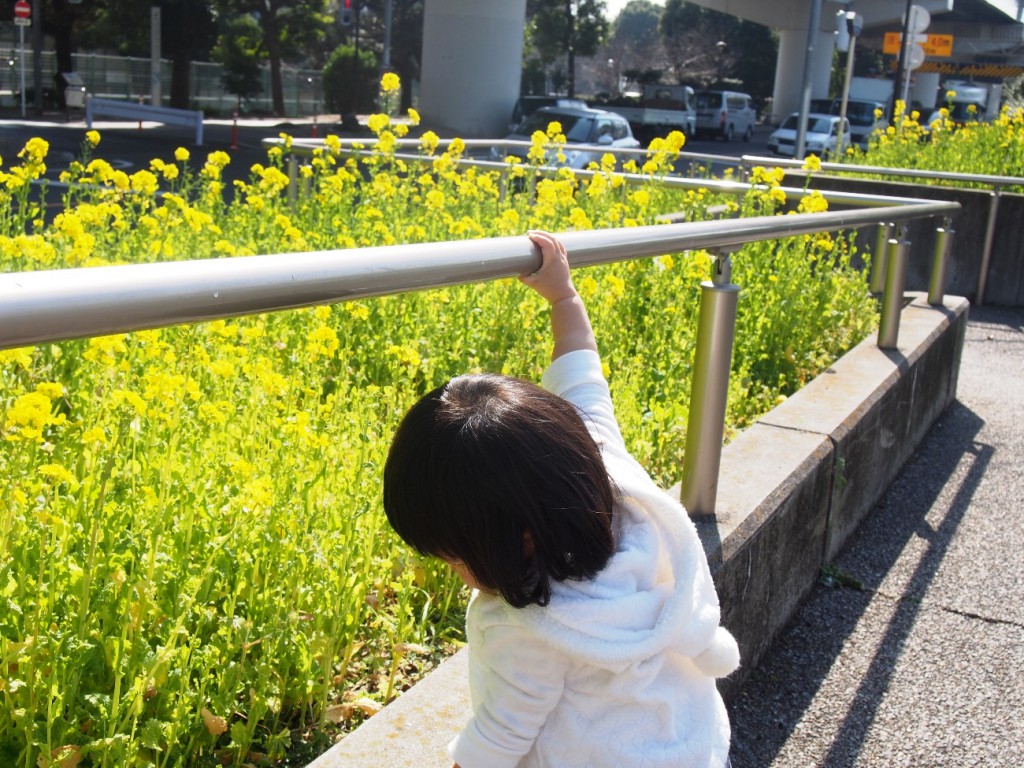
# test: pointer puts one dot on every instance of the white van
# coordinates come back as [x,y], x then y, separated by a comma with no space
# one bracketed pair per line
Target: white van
[724,113]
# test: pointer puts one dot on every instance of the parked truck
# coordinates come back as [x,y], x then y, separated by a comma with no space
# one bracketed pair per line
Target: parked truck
[661,109]
[971,101]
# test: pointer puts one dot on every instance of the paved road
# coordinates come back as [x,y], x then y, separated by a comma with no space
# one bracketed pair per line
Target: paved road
[130,148]
[912,655]
[127,147]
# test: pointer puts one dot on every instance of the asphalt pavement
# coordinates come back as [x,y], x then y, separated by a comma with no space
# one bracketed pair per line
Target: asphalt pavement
[130,145]
[910,651]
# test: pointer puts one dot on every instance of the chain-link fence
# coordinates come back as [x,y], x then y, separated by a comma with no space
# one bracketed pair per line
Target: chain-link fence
[124,77]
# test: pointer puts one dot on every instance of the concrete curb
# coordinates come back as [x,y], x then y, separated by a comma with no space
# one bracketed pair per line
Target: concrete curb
[795,485]
[792,489]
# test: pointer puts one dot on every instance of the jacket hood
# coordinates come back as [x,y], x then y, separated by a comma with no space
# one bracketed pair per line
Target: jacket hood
[655,592]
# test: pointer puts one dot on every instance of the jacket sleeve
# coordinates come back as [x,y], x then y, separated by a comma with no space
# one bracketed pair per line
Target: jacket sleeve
[520,680]
[577,377]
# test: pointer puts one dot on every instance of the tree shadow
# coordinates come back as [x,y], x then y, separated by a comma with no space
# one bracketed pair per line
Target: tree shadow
[766,711]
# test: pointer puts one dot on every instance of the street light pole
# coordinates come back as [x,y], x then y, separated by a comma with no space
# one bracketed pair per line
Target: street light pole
[852,25]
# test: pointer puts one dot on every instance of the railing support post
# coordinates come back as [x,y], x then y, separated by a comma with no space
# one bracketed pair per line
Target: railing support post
[986,251]
[705,426]
[293,180]
[878,259]
[937,284]
[897,256]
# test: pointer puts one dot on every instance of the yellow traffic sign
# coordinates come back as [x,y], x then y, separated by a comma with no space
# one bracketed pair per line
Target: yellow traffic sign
[939,46]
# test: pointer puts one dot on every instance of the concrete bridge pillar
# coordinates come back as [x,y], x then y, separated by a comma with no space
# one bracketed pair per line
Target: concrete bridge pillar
[472,60]
[789,70]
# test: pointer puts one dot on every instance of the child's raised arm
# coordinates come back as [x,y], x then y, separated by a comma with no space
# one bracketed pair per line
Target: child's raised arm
[570,325]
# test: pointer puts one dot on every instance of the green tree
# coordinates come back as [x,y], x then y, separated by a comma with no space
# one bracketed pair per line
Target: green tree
[634,46]
[187,33]
[406,48]
[238,51]
[636,26]
[567,28]
[707,47]
[758,49]
[350,80]
[291,30]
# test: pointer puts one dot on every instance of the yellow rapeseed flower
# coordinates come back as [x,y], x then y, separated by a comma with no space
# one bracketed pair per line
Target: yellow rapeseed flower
[35,150]
[93,137]
[378,122]
[390,82]
[21,356]
[181,155]
[813,203]
[59,474]
[429,141]
[144,182]
[812,163]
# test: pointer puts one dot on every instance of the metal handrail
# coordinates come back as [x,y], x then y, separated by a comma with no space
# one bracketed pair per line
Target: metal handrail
[988,180]
[56,305]
[997,184]
[64,304]
[306,147]
[724,186]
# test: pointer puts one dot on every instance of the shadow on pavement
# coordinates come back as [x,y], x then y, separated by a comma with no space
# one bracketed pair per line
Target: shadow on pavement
[770,706]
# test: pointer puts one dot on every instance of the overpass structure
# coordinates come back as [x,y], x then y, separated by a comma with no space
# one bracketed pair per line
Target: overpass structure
[473,49]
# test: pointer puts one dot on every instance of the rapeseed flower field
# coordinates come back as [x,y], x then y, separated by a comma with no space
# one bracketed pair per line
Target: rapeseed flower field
[194,564]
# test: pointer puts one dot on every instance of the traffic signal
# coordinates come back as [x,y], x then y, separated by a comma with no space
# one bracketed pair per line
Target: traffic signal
[346,13]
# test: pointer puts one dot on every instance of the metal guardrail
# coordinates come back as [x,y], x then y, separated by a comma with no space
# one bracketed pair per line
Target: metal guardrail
[56,305]
[138,111]
[306,147]
[996,183]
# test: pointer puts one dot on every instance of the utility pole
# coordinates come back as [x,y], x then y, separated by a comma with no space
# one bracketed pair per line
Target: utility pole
[805,96]
[37,53]
[901,62]
[849,27]
[385,61]
[155,83]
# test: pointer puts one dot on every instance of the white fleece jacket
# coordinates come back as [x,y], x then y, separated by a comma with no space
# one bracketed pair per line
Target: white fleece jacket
[614,672]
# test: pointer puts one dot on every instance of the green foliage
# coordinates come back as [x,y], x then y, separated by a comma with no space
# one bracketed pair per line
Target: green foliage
[349,81]
[290,29]
[567,28]
[194,565]
[636,26]
[238,49]
[691,36]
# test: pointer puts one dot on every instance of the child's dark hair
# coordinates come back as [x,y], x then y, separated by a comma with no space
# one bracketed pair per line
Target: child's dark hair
[484,460]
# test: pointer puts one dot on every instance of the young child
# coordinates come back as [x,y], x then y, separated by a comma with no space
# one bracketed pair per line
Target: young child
[593,624]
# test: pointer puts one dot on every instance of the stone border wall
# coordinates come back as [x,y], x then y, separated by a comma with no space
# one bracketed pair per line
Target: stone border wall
[1004,283]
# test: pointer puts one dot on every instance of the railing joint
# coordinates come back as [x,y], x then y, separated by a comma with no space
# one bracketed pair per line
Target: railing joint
[721,264]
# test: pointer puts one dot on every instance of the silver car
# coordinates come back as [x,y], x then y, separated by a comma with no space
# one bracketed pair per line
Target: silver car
[821,139]
[580,125]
